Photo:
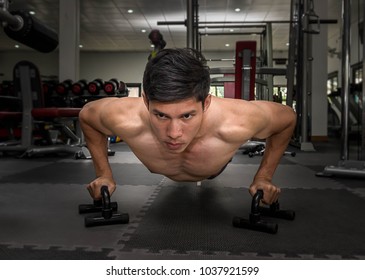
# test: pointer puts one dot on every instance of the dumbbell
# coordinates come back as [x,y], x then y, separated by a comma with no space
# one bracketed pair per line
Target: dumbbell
[79,87]
[123,90]
[95,86]
[108,215]
[111,87]
[64,87]
[254,222]
[48,87]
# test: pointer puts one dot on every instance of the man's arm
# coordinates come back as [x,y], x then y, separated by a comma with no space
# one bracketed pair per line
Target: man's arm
[95,133]
[278,129]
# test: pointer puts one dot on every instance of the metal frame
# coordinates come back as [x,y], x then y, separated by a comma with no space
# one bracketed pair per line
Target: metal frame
[346,167]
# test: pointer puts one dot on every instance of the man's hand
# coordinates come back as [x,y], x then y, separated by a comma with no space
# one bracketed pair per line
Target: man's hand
[95,186]
[271,192]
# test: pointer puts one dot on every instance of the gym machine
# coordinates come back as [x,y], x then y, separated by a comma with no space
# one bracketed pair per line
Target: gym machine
[28,86]
[304,24]
[345,166]
[26,29]
[157,41]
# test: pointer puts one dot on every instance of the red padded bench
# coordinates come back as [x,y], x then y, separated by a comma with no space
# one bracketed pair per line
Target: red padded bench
[53,112]
[11,116]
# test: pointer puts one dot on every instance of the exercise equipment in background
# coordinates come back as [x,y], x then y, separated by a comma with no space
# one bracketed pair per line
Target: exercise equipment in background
[79,87]
[95,87]
[256,223]
[111,87]
[28,30]
[348,167]
[157,41]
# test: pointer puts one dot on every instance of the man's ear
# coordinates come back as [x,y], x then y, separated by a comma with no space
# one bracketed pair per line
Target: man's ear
[207,102]
[145,100]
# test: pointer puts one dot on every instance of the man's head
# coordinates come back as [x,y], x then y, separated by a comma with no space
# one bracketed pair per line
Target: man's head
[176,92]
[175,75]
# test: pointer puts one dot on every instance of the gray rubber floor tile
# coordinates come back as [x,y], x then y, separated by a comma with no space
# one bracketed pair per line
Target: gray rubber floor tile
[286,176]
[47,215]
[184,218]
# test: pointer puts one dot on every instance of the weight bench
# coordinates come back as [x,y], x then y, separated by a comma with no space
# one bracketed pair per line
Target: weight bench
[64,120]
[27,85]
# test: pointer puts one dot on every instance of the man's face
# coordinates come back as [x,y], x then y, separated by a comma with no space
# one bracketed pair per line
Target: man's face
[176,124]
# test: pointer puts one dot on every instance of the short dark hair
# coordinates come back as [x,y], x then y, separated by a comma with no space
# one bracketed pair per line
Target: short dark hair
[176,74]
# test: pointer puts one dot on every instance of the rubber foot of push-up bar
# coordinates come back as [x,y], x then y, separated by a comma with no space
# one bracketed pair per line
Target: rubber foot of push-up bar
[254,222]
[95,207]
[107,209]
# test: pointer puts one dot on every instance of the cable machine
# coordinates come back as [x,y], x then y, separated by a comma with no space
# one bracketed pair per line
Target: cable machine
[345,166]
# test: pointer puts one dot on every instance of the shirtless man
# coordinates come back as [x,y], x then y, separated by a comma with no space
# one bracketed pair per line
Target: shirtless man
[180,131]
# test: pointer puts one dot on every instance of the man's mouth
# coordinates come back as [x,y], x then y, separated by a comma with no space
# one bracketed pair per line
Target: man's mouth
[174,146]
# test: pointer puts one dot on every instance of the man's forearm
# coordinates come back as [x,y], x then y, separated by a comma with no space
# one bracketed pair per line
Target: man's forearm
[99,153]
[97,144]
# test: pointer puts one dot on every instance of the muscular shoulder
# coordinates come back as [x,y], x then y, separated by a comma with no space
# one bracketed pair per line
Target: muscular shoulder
[118,116]
[242,120]
[127,117]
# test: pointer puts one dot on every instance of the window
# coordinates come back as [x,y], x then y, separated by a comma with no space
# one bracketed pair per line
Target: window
[332,82]
[134,89]
[357,73]
[217,90]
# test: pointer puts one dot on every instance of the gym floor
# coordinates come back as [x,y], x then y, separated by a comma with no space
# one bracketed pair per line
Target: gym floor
[39,217]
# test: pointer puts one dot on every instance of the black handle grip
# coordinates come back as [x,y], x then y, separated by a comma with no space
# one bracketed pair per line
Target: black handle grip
[107,211]
[256,201]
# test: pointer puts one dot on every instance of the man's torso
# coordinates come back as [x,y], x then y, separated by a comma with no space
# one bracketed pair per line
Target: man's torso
[204,157]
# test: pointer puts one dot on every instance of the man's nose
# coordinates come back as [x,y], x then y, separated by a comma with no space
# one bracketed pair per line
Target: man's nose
[174,129]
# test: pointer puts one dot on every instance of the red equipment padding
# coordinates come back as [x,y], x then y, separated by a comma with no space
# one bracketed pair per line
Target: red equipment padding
[240,46]
[45,113]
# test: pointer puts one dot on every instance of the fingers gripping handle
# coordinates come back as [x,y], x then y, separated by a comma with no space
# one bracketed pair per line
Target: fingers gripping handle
[108,209]
[255,223]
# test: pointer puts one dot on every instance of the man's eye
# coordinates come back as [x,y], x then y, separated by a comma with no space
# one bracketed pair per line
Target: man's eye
[187,116]
[161,116]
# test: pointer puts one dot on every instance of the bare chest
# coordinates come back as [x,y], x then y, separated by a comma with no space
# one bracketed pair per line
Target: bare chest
[197,163]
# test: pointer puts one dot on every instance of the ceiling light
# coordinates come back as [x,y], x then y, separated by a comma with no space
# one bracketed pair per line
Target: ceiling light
[81,46]
[130,11]
[32,12]
[237,10]
[231,30]
[227,45]
[17,46]
[143,30]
